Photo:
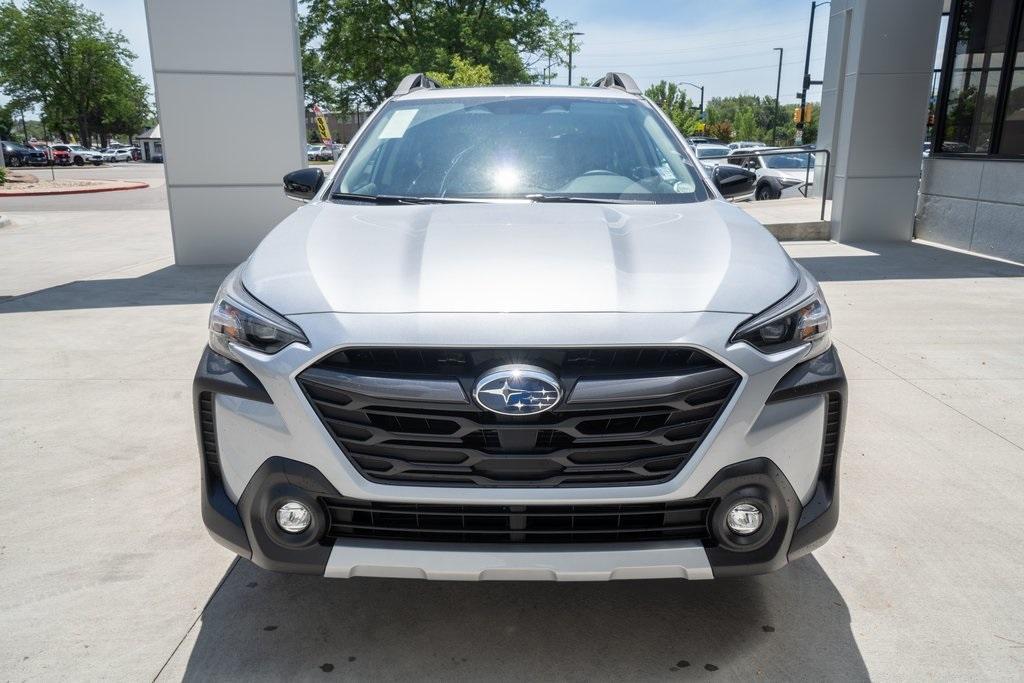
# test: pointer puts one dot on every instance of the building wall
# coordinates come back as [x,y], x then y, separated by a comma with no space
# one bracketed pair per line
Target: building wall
[229,92]
[973,204]
[878,75]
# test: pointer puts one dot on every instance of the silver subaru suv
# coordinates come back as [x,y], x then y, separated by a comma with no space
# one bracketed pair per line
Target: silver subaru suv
[517,333]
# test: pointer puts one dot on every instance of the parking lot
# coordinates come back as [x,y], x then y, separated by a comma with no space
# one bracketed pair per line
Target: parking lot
[108,572]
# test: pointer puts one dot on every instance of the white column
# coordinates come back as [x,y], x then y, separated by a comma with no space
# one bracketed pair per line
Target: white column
[229,97]
[874,107]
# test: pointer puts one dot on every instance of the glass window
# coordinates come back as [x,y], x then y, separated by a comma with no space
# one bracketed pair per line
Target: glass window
[979,52]
[1012,137]
[512,147]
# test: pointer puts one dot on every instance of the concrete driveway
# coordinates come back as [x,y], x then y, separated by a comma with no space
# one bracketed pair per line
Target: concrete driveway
[106,571]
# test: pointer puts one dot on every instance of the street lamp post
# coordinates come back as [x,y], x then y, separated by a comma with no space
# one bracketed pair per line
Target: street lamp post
[701,87]
[778,82]
[572,35]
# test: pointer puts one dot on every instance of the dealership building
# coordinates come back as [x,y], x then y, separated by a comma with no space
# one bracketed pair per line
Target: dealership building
[881,97]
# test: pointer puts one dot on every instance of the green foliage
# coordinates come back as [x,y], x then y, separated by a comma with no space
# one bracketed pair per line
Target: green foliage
[463,73]
[673,101]
[6,122]
[61,57]
[751,117]
[356,51]
[3,175]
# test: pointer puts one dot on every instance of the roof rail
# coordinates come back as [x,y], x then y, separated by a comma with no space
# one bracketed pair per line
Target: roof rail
[414,82]
[617,79]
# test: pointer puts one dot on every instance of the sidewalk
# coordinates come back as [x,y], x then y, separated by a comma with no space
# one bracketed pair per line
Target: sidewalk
[795,218]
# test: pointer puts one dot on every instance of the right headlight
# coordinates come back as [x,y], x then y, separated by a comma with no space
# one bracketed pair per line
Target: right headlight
[238,318]
[801,317]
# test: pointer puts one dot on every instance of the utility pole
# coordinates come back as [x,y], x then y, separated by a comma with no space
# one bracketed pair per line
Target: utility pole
[701,87]
[778,82]
[572,34]
[807,82]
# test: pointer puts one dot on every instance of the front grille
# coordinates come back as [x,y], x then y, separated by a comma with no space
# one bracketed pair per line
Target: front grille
[686,520]
[454,442]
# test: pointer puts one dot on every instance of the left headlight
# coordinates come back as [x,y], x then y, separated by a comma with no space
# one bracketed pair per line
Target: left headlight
[801,317]
[239,318]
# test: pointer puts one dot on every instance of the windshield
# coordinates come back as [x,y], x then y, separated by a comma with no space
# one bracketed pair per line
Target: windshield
[788,161]
[521,147]
[706,152]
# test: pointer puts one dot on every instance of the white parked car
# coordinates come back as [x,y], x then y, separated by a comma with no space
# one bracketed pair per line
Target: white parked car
[745,144]
[114,154]
[778,175]
[517,334]
[711,155]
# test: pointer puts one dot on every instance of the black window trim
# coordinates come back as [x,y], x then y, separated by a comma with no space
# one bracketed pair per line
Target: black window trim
[999,114]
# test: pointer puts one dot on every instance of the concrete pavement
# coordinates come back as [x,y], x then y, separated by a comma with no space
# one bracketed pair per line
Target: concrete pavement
[106,571]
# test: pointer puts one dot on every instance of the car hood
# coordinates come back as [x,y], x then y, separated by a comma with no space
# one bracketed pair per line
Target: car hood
[519,257]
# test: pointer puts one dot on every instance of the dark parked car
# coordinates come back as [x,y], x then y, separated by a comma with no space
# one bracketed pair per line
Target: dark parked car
[19,155]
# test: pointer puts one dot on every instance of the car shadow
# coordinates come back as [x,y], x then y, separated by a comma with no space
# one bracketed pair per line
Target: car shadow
[167,286]
[899,261]
[792,624]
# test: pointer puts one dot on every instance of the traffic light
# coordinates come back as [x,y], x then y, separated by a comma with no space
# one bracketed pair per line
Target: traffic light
[808,114]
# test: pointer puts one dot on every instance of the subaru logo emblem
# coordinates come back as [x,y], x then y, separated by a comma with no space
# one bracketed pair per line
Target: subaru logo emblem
[517,390]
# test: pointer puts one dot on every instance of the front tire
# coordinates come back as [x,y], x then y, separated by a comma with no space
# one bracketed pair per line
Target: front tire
[14,162]
[79,161]
[769,188]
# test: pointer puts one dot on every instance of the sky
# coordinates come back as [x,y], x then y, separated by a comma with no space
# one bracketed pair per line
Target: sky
[726,46]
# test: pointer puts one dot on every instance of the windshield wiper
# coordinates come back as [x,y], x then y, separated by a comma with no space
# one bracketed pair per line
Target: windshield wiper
[554,198]
[395,199]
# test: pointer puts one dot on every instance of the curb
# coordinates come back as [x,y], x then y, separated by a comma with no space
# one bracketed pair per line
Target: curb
[84,190]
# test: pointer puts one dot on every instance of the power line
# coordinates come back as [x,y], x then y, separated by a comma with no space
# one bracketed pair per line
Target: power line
[707,46]
[745,55]
[730,71]
[683,36]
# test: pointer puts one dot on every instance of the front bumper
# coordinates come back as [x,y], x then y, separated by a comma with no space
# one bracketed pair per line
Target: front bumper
[237,410]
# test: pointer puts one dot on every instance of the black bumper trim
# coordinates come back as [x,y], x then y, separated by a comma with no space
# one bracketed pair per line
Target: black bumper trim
[219,375]
[821,375]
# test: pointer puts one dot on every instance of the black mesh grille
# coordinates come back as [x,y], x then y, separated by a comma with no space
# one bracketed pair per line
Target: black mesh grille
[830,447]
[460,444]
[518,524]
[208,433]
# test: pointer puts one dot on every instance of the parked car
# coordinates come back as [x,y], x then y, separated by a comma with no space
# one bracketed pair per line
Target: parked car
[704,140]
[136,153]
[61,157]
[115,154]
[489,348]
[319,153]
[711,154]
[776,173]
[22,155]
[745,144]
[80,155]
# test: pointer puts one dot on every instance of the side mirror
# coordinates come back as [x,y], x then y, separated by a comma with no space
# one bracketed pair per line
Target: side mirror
[733,181]
[303,184]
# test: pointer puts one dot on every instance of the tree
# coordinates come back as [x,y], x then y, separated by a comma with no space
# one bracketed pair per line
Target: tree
[6,122]
[60,56]
[464,73]
[673,101]
[356,51]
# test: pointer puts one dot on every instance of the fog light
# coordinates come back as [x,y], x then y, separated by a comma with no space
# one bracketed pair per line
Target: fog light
[744,519]
[294,517]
